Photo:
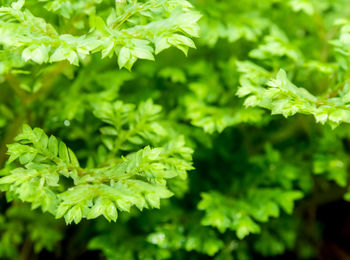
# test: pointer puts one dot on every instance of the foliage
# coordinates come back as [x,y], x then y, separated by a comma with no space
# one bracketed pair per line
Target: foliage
[183,123]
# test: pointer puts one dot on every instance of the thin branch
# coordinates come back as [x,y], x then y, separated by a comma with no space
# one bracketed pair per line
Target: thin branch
[27,99]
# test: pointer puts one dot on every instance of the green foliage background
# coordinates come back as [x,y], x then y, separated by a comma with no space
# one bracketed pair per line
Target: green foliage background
[171,129]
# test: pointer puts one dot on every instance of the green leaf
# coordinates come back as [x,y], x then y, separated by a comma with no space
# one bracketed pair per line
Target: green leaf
[124,57]
[63,152]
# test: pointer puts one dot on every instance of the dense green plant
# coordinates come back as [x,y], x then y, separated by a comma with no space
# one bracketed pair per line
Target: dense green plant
[112,140]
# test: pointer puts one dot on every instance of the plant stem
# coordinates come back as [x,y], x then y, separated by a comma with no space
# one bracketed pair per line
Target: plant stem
[26,249]
[27,99]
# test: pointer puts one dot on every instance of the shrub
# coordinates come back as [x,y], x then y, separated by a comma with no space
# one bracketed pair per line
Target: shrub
[156,129]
